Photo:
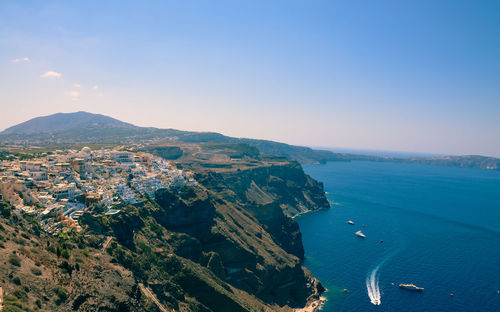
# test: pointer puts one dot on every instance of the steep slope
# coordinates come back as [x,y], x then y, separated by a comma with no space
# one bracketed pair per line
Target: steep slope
[226,244]
[243,218]
[65,121]
[40,272]
[180,273]
[273,194]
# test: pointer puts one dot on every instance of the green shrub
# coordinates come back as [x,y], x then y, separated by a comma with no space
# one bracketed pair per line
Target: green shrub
[12,308]
[65,253]
[21,295]
[5,209]
[86,254]
[65,266]
[79,260]
[15,260]
[61,293]
[20,241]
[51,248]
[9,299]
[36,271]
[16,280]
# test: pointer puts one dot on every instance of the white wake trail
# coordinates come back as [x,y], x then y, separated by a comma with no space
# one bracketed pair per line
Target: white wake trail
[372,286]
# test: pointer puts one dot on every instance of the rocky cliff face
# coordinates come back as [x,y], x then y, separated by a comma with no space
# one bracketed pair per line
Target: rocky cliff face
[273,195]
[242,218]
[227,244]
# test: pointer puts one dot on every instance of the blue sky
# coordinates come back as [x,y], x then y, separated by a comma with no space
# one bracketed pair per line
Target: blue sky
[420,76]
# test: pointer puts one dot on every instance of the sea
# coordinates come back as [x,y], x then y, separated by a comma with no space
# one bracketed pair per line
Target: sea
[434,226]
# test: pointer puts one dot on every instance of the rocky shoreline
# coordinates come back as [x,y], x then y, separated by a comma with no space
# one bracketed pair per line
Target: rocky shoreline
[313,306]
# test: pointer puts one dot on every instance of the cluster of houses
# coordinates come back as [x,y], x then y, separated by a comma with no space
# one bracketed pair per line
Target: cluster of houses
[60,186]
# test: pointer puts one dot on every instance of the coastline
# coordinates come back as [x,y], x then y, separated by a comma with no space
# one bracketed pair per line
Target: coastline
[313,306]
[317,304]
[309,211]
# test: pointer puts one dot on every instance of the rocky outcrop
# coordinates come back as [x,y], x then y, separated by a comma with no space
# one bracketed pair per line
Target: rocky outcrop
[188,210]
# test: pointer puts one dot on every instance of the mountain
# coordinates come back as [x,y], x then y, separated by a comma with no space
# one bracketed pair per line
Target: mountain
[65,121]
[83,127]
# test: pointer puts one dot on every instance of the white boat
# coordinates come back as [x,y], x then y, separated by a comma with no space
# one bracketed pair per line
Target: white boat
[360,234]
[350,222]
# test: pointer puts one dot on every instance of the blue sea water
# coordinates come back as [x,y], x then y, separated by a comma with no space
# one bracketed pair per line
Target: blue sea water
[440,228]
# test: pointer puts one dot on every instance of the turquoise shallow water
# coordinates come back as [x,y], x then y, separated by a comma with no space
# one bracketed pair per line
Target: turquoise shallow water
[440,227]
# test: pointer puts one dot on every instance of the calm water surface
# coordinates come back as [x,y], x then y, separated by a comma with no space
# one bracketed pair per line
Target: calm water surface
[440,228]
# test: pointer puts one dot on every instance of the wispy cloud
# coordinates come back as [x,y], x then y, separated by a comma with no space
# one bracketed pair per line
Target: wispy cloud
[21,59]
[95,88]
[77,85]
[51,74]
[75,95]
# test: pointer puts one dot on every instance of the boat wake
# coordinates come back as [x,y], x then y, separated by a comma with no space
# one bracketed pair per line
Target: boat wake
[372,281]
[372,286]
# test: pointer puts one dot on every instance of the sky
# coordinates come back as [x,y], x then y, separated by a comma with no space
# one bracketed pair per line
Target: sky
[416,76]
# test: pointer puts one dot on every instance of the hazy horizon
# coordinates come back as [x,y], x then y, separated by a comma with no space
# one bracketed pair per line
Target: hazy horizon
[343,149]
[415,77]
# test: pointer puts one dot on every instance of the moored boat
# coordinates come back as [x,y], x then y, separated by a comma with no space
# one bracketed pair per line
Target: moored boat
[350,222]
[411,287]
[360,234]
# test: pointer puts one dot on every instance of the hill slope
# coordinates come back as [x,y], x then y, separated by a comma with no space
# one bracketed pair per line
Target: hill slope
[83,127]
[65,121]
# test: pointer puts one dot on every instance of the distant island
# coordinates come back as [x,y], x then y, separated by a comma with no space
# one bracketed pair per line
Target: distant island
[84,127]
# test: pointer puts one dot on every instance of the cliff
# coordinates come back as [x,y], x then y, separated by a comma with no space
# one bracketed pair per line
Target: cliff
[225,243]
[230,237]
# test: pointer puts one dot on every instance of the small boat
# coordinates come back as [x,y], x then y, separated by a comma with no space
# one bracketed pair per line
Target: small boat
[360,234]
[350,222]
[410,287]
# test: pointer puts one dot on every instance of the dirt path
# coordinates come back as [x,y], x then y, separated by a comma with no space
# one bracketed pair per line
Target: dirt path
[106,243]
[150,295]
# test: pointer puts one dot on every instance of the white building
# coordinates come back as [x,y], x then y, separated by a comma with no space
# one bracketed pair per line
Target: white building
[61,191]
